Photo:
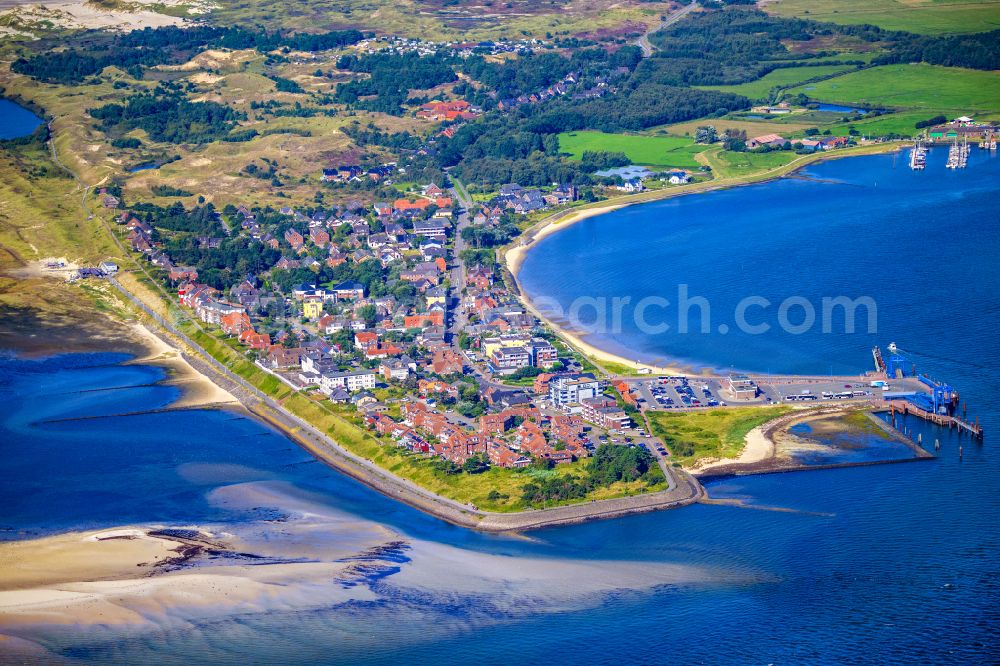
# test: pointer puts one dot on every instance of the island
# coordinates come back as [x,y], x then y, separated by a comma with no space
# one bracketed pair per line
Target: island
[328,224]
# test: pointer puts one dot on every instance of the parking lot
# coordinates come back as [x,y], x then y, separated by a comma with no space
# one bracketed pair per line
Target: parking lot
[681,393]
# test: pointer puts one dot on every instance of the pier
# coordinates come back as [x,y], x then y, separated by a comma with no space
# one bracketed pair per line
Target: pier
[944,420]
[918,156]
[958,154]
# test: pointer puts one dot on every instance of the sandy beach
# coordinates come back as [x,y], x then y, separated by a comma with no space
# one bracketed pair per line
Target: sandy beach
[198,390]
[772,447]
[79,14]
[759,447]
[514,258]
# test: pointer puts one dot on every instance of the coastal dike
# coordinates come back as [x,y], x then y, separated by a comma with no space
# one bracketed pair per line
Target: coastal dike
[686,489]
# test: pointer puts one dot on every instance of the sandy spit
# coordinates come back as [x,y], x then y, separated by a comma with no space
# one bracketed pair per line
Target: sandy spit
[198,390]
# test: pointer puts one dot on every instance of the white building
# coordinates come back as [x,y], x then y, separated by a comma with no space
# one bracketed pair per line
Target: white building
[568,389]
[352,381]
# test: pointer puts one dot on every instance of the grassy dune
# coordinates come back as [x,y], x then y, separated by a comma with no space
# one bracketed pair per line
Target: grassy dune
[41,211]
[41,216]
[717,433]
[442,20]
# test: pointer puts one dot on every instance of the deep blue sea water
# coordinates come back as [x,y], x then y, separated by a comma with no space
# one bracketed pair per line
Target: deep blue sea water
[15,120]
[920,244]
[886,564]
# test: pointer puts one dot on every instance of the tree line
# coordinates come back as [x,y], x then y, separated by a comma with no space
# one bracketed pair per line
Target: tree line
[167,45]
[168,116]
[391,78]
[978,51]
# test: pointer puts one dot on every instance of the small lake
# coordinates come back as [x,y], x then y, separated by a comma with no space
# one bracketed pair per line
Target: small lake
[144,167]
[836,108]
[15,120]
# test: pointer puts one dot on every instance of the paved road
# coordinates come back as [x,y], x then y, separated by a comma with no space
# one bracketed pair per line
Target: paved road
[671,18]
[458,318]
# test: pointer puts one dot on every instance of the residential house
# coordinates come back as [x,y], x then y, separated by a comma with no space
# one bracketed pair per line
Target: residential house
[604,412]
[312,307]
[349,290]
[436,228]
[282,357]
[319,236]
[352,381]
[255,340]
[295,239]
[505,360]
[771,140]
[235,323]
[365,339]
[396,369]
[542,352]
[446,362]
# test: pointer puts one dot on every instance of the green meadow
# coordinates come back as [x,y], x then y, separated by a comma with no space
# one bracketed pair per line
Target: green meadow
[727,164]
[717,433]
[911,87]
[655,151]
[895,123]
[921,16]
[779,78]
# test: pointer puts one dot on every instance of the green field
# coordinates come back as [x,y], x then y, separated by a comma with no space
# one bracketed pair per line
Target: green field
[912,87]
[921,16]
[896,123]
[716,433]
[726,164]
[779,78]
[655,151]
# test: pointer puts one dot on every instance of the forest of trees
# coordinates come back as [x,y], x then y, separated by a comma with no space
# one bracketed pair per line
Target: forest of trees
[168,116]
[391,78]
[533,72]
[977,51]
[734,46]
[167,45]
[522,146]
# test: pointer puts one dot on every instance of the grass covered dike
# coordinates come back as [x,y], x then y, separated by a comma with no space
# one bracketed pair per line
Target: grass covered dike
[498,490]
